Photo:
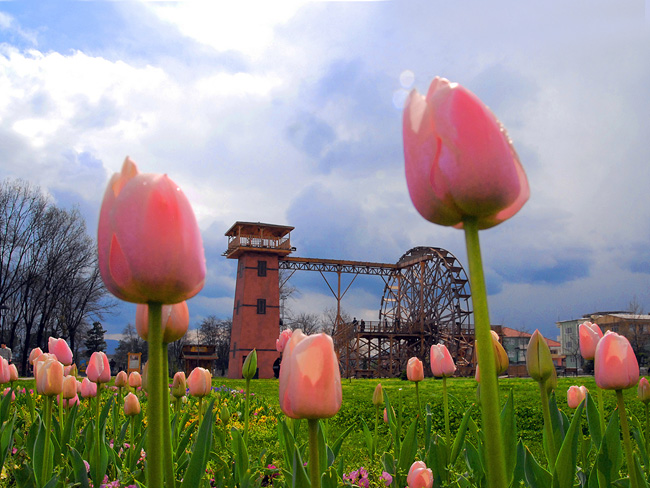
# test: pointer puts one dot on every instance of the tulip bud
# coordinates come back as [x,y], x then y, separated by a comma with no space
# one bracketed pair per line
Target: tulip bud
[49,380]
[121,380]
[88,388]
[539,362]
[500,357]
[149,244]
[33,356]
[224,415]
[13,372]
[8,390]
[589,334]
[179,385]
[199,382]
[459,159]
[615,364]
[442,365]
[281,342]
[250,365]
[98,370]
[131,405]
[385,415]
[419,476]
[69,387]
[643,391]
[575,395]
[135,380]
[73,371]
[551,383]
[310,380]
[414,370]
[60,348]
[175,321]
[378,395]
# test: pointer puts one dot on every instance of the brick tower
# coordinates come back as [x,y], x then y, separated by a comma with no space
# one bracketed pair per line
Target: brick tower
[256,313]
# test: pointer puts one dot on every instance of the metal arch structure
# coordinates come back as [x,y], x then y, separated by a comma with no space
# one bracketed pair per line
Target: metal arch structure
[426,301]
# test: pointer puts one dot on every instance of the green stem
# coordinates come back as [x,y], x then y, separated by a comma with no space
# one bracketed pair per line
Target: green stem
[46,473]
[445,400]
[200,411]
[98,458]
[417,396]
[61,424]
[246,410]
[131,440]
[647,434]
[170,476]
[376,440]
[314,470]
[631,468]
[601,410]
[155,442]
[548,427]
[490,406]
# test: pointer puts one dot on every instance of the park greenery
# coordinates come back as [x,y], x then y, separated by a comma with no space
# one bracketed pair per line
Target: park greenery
[267,459]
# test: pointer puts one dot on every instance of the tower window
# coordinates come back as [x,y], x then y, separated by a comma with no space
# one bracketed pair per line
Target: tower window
[261,268]
[261,306]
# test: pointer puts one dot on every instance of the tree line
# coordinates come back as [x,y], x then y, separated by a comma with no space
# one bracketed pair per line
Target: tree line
[49,279]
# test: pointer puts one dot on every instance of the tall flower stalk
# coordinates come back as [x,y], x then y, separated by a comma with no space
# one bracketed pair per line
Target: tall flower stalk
[156,430]
[495,461]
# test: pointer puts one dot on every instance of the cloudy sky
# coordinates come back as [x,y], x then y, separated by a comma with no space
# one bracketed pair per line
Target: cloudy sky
[290,113]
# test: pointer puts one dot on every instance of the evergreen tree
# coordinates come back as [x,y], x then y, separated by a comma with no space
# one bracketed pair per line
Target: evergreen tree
[95,340]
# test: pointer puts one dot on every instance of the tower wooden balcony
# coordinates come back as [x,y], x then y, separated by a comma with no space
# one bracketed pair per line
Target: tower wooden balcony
[255,236]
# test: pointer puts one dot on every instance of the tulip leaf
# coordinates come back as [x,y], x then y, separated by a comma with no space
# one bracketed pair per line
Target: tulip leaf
[565,466]
[329,478]
[241,454]
[610,456]
[6,439]
[536,476]
[519,475]
[52,482]
[185,438]
[79,469]
[69,424]
[593,420]
[637,432]
[368,438]
[38,455]
[104,414]
[336,447]
[474,463]
[639,473]
[509,434]
[460,435]
[196,468]
[409,447]
[4,407]
[322,449]
[437,460]
[428,428]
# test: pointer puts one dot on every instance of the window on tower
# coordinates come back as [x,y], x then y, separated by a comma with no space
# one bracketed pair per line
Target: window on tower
[261,268]
[261,306]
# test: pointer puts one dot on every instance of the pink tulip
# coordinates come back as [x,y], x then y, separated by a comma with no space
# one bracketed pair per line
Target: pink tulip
[88,388]
[179,384]
[79,387]
[419,476]
[199,382]
[131,405]
[69,387]
[615,365]
[60,348]
[460,161]
[49,379]
[149,244]
[33,356]
[441,362]
[121,379]
[98,370]
[644,390]
[310,380]
[5,373]
[175,321]
[589,335]
[70,402]
[41,359]
[13,372]
[575,395]
[414,370]
[281,342]
[385,415]
[7,391]
[135,380]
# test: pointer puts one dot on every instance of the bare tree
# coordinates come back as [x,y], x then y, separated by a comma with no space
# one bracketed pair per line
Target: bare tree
[309,323]
[130,342]
[216,332]
[330,320]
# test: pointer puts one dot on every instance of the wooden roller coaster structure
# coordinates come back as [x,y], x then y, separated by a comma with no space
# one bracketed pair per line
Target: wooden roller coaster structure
[426,301]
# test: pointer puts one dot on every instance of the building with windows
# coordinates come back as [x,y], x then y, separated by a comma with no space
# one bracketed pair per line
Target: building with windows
[635,327]
[515,342]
